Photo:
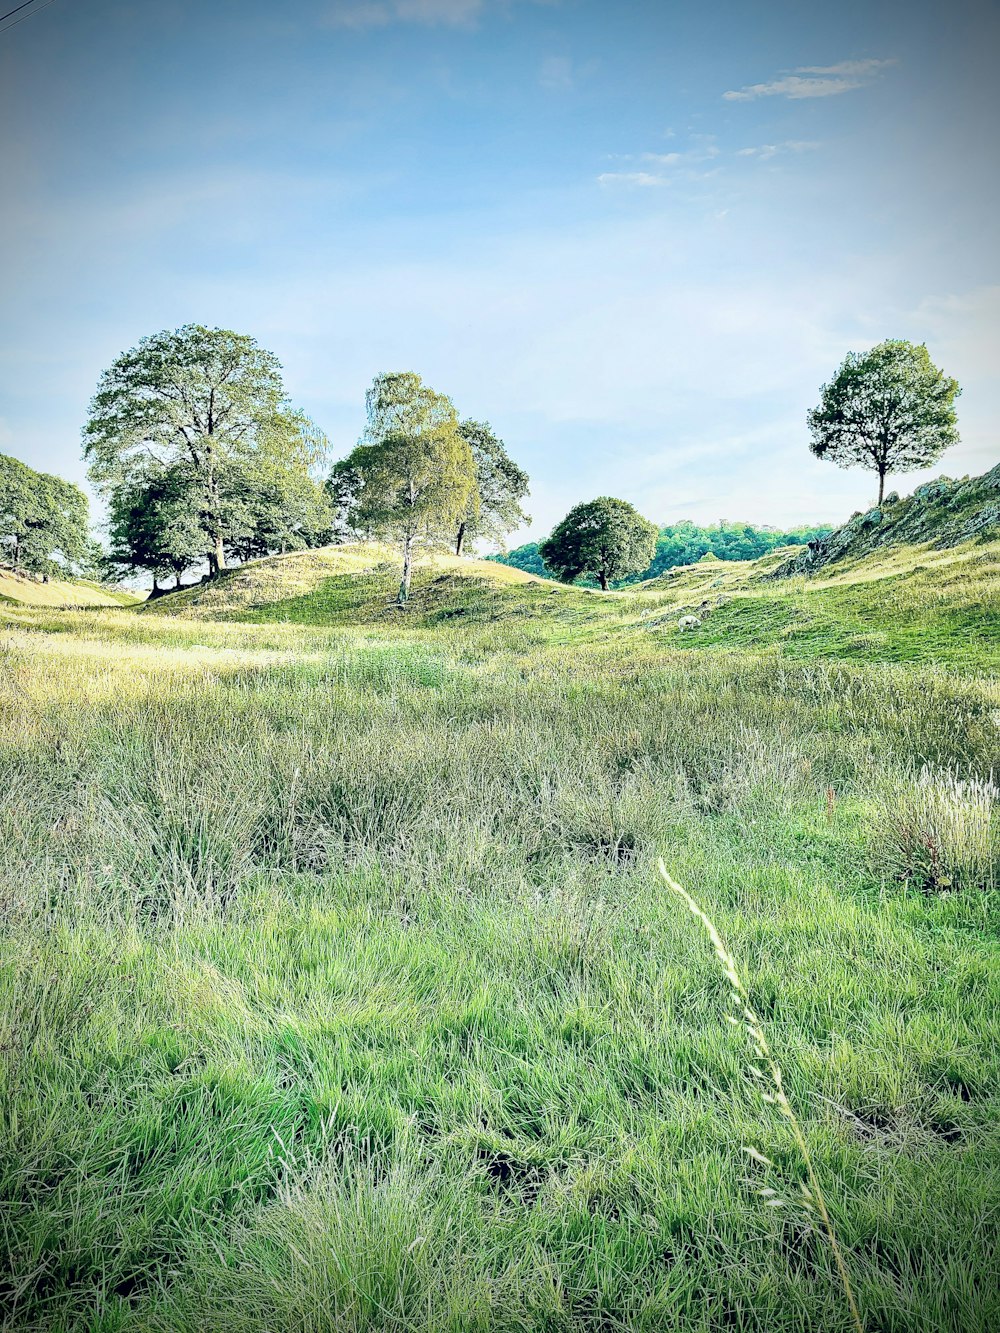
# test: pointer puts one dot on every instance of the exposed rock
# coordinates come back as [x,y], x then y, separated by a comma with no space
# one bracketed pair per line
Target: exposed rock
[944,512]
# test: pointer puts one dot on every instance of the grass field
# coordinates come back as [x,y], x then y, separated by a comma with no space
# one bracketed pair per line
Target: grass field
[340,991]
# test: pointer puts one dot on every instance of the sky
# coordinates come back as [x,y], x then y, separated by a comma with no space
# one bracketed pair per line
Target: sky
[636,236]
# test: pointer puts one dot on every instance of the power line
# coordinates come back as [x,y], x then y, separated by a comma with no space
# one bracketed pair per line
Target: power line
[4,17]
[23,16]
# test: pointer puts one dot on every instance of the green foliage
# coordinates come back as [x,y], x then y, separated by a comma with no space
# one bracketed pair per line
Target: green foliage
[413,476]
[155,528]
[889,410]
[44,521]
[685,543]
[207,407]
[605,537]
[494,507]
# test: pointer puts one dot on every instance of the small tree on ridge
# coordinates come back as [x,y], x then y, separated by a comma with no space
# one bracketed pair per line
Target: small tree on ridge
[889,410]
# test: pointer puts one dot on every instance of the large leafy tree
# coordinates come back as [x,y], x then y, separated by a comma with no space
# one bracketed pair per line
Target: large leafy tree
[44,520]
[494,507]
[412,476]
[606,538]
[207,406]
[889,410]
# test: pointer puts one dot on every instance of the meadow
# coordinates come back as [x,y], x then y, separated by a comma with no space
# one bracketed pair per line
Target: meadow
[340,990]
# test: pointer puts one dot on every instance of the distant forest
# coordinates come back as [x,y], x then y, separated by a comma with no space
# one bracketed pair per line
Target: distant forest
[683,543]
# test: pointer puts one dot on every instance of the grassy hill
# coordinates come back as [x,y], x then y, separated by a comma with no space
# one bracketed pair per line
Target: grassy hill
[24,590]
[901,603]
[339,989]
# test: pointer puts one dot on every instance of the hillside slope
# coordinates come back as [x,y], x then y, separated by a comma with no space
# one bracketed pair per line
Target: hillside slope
[356,583]
[938,515]
[896,604]
[58,592]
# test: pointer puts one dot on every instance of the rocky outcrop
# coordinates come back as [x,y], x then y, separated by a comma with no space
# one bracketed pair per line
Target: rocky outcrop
[942,512]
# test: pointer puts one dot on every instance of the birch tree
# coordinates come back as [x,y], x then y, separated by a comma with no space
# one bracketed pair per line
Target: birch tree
[413,474]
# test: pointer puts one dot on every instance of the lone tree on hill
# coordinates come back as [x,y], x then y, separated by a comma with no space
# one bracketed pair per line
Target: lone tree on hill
[207,408]
[605,537]
[888,410]
[413,475]
[495,506]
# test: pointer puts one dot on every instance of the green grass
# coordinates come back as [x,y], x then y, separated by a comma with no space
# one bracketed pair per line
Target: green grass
[339,990]
[907,605]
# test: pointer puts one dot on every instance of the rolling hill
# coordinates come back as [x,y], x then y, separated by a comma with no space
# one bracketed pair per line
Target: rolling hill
[927,590]
[340,989]
[24,590]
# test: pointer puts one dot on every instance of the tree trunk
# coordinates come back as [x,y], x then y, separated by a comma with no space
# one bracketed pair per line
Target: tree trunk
[460,539]
[404,587]
[220,554]
[881,485]
[604,580]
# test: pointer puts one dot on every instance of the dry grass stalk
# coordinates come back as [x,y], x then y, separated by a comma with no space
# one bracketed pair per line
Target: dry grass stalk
[812,1196]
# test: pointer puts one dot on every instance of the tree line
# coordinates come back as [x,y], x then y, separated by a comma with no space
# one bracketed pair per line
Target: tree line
[203,461]
[684,543]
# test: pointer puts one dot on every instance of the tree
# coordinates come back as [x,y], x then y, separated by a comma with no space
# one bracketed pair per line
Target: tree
[155,527]
[207,405]
[277,505]
[343,490]
[494,506]
[605,537]
[413,474]
[44,521]
[888,410]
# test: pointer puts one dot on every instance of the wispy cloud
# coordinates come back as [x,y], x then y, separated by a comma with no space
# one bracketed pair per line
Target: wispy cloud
[765,151]
[638,178]
[665,167]
[360,14]
[813,81]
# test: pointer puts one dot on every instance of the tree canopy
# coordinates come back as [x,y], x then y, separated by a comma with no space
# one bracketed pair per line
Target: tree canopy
[206,408]
[44,520]
[154,528]
[413,476]
[889,410]
[605,537]
[494,507]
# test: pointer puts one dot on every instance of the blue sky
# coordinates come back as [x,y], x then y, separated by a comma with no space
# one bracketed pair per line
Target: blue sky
[634,236]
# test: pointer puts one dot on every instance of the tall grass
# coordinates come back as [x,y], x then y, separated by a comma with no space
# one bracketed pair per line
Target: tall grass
[337,990]
[813,1197]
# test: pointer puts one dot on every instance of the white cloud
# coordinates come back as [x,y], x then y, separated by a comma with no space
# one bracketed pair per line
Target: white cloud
[812,81]
[765,151]
[641,178]
[849,68]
